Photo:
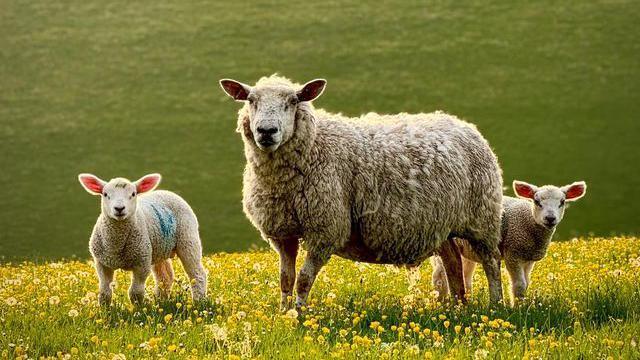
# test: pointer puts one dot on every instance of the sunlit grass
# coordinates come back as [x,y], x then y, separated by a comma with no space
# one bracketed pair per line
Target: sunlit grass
[584,303]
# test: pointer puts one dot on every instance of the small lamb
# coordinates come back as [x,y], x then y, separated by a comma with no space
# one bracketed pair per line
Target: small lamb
[528,224]
[140,230]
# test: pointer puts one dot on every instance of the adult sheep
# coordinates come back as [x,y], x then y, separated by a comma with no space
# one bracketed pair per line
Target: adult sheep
[386,189]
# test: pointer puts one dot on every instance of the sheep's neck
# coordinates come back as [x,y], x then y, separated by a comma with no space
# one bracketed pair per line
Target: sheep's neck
[542,236]
[117,232]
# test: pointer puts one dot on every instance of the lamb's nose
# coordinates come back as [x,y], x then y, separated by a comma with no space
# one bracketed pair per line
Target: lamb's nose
[118,209]
[267,130]
[550,219]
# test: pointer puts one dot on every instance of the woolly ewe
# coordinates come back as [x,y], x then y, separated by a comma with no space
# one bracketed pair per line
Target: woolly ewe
[387,189]
[528,224]
[140,230]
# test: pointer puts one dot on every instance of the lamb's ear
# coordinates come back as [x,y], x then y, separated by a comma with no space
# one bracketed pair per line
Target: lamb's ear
[235,89]
[574,191]
[524,190]
[147,183]
[92,183]
[311,90]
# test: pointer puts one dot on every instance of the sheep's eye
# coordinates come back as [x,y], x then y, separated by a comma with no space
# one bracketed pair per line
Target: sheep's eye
[104,194]
[133,194]
[537,202]
[562,203]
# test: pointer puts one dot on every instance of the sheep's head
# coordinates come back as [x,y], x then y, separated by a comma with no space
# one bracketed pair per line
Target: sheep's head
[272,107]
[119,195]
[549,201]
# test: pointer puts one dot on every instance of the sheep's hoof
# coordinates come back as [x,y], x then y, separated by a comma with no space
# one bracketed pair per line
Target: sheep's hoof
[137,299]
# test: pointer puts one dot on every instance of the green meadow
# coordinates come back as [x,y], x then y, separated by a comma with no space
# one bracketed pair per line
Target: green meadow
[123,88]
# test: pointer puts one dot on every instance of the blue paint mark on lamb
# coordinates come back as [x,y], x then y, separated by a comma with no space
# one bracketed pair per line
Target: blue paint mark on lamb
[166,220]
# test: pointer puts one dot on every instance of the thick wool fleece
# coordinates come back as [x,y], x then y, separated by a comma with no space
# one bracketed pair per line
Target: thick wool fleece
[162,226]
[378,188]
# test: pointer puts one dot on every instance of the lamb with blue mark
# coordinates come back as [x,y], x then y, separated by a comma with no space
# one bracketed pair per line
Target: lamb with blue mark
[140,230]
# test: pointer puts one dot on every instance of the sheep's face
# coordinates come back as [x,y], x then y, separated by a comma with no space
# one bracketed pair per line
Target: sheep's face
[549,202]
[119,195]
[272,109]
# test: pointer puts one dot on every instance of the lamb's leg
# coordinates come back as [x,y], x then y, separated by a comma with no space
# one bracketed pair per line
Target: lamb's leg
[468,266]
[310,269]
[190,255]
[452,263]
[105,278]
[413,275]
[163,274]
[528,267]
[288,251]
[138,280]
[439,278]
[518,279]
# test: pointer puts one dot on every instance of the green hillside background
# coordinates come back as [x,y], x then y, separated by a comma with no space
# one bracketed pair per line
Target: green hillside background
[123,88]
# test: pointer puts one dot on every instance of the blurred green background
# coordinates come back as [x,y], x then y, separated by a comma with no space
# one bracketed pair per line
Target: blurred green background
[122,88]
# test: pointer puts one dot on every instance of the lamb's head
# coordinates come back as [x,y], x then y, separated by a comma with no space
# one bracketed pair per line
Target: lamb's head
[272,105]
[549,201]
[119,195]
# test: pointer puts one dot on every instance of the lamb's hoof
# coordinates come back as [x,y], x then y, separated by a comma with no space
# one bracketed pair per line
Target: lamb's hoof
[137,299]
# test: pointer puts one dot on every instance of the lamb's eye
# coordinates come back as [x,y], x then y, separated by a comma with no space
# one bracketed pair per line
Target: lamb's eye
[562,203]
[537,202]
[104,194]
[133,194]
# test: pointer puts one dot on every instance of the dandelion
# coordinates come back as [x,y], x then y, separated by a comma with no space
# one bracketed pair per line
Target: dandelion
[73,313]
[54,300]
[11,301]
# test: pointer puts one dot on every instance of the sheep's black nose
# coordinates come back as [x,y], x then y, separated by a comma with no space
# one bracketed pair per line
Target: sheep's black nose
[550,219]
[118,209]
[267,130]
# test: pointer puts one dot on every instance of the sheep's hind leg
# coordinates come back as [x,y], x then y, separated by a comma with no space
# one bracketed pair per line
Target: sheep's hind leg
[452,263]
[191,258]
[163,274]
[439,278]
[490,259]
[288,251]
[310,269]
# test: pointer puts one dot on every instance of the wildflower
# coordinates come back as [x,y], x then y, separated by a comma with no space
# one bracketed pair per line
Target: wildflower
[73,313]
[54,300]
[168,317]
[11,301]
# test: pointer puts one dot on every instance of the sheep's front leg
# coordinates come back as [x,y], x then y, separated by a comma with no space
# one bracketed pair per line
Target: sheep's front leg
[518,279]
[452,263]
[138,280]
[105,278]
[310,269]
[288,251]
[468,266]
[528,267]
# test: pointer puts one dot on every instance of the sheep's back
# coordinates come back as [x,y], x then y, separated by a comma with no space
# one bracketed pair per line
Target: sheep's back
[413,179]
[168,218]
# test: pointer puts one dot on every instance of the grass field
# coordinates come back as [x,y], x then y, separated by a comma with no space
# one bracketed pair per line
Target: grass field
[583,304]
[123,88]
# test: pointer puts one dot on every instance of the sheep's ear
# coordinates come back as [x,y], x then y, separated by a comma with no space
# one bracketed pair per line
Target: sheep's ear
[235,89]
[147,183]
[524,190]
[574,191]
[311,90]
[92,183]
